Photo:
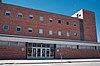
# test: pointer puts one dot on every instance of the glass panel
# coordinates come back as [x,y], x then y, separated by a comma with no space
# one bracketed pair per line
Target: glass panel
[34,52]
[38,52]
[13,43]
[6,27]
[29,52]
[4,43]
[34,45]
[47,52]
[21,44]
[43,52]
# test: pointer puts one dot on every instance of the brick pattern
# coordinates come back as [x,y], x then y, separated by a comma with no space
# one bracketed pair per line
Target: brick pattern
[12,52]
[36,24]
[89,26]
[77,53]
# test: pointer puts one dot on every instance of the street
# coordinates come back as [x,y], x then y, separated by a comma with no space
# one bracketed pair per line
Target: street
[58,64]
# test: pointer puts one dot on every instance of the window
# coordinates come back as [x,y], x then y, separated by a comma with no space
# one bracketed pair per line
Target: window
[13,43]
[4,43]
[21,43]
[67,23]
[18,28]
[41,18]
[8,13]
[75,24]
[20,15]
[50,32]
[30,30]
[31,16]
[50,19]
[68,34]
[59,33]
[40,31]
[59,21]
[75,34]
[6,27]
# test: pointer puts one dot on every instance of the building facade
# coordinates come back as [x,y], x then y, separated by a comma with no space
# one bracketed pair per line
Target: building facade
[33,34]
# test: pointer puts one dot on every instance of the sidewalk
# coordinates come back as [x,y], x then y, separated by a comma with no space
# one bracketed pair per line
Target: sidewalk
[47,61]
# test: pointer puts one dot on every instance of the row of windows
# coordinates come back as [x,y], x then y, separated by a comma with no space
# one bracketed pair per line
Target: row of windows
[30,30]
[78,47]
[20,15]
[6,43]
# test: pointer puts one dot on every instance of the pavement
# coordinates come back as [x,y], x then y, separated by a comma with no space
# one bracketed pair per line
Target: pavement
[47,61]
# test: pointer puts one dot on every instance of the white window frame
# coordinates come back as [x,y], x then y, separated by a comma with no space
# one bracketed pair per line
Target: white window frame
[30,29]
[31,16]
[68,24]
[50,32]
[68,34]
[18,27]
[8,12]
[59,33]
[40,31]
[75,23]
[41,18]
[50,19]
[20,14]
[5,29]
[75,34]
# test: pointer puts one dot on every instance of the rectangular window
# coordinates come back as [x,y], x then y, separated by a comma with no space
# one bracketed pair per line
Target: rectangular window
[21,43]
[13,43]
[59,21]
[75,24]
[68,34]
[75,34]
[50,32]
[18,28]
[40,31]
[20,15]
[30,30]
[59,33]
[41,18]
[4,43]
[8,13]
[30,16]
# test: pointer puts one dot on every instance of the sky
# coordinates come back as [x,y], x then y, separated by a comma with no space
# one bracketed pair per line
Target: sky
[64,7]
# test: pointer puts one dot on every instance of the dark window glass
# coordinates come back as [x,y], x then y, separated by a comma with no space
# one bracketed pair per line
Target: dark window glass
[67,23]
[6,27]
[18,29]
[59,21]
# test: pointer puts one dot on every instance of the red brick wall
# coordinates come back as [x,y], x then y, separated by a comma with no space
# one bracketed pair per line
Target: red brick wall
[89,26]
[77,53]
[25,23]
[12,52]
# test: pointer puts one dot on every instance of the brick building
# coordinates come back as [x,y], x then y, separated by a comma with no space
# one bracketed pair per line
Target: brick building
[33,34]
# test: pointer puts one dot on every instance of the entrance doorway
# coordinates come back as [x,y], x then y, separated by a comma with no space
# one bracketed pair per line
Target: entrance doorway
[40,51]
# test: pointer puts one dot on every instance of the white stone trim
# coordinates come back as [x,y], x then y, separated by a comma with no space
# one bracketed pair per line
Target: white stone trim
[16,38]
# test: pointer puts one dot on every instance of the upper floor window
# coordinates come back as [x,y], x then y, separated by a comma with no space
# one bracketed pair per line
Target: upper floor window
[31,16]
[59,33]
[30,30]
[8,13]
[59,21]
[50,19]
[20,15]
[18,28]
[50,32]
[6,27]
[67,23]
[68,34]
[40,31]
[75,34]
[41,18]
[75,24]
